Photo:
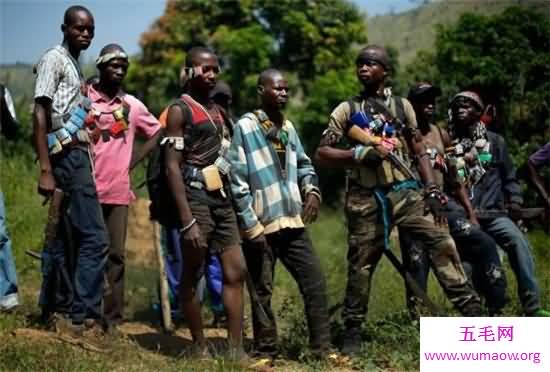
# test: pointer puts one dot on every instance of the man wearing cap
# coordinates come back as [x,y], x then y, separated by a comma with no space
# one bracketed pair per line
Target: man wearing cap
[117,118]
[475,247]
[73,264]
[382,191]
[483,165]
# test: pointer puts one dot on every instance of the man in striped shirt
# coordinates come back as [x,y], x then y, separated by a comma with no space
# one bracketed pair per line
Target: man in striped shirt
[73,265]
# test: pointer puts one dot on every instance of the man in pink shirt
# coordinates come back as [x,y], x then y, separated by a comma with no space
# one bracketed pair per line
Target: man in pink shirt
[117,116]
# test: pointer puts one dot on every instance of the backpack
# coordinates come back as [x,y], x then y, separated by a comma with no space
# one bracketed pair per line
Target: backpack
[163,208]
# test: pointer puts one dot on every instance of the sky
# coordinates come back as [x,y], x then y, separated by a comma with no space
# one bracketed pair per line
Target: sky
[29,27]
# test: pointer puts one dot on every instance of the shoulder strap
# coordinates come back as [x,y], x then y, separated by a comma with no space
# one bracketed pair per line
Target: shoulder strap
[399,108]
[185,109]
[353,106]
[227,120]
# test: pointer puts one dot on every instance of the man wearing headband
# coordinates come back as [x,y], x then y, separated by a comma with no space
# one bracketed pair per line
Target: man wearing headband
[72,288]
[116,118]
[485,168]
[474,246]
[383,193]
[197,169]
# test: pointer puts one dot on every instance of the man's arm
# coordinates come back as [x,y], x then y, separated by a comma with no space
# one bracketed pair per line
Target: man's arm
[174,158]
[534,162]
[145,149]
[309,183]
[329,156]
[41,126]
[240,188]
[149,127]
[510,182]
[307,177]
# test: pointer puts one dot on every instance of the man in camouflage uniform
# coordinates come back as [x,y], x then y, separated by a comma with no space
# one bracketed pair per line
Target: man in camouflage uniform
[381,194]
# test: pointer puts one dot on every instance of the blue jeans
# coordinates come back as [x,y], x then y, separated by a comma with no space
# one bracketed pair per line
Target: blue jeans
[478,253]
[8,278]
[73,264]
[513,242]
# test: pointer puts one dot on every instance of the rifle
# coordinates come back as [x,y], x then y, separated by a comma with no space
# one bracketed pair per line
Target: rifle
[52,224]
[356,133]
[524,213]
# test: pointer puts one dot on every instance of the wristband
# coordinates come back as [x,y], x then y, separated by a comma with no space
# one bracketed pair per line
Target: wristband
[184,229]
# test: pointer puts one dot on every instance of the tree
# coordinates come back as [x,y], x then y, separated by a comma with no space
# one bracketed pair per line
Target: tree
[304,37]
[504,57]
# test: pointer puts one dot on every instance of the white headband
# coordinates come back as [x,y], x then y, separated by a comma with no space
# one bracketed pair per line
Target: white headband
[109,56]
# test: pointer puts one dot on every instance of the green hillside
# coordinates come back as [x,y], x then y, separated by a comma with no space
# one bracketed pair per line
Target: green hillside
[414,30]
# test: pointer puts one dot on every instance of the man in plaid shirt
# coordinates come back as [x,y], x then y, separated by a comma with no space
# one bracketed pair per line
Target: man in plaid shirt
[271,178]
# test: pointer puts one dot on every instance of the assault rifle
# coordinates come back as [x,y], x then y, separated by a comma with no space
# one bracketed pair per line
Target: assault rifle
[52,224]
[523,213]
[356,133]
[360,135]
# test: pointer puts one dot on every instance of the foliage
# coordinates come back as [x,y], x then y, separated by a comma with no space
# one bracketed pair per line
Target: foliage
[504,57]
[305,37]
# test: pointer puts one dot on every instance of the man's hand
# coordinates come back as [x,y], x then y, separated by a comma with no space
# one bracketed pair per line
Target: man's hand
[46,183]
[434,204]
[473,219]
[383,151]
[192,237]
[311,208]
[370,156]
[259,242]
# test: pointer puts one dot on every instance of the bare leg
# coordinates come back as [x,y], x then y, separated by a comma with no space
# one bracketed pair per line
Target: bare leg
[192,263]
[233,277]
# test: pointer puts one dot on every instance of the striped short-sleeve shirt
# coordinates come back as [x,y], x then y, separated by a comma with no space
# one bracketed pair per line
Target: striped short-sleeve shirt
[58,77]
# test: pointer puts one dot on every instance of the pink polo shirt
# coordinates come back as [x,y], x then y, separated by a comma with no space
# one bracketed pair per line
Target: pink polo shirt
[112,158]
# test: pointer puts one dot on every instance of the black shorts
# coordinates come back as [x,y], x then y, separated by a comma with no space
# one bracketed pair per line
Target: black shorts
[218,225]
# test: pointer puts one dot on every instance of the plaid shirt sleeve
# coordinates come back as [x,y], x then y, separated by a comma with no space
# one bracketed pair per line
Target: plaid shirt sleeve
[240,189]
[307,178]
[48,74]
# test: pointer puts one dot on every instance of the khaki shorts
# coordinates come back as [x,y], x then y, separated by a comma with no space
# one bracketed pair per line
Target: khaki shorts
[218,225]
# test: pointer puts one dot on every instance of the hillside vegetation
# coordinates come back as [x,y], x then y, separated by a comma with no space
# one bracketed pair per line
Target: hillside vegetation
[414,30]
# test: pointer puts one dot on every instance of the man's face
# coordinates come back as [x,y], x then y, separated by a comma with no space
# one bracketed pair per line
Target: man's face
[425,109]
[369,71]
[114,71]
[275,93]
[465,112]
[206,68]
[80,32]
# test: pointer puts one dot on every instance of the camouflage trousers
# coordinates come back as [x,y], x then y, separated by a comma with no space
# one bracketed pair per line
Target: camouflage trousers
[366,245]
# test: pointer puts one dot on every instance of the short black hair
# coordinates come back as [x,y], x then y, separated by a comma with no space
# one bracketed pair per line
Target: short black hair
[72,10]
[267,75]
[193,53]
